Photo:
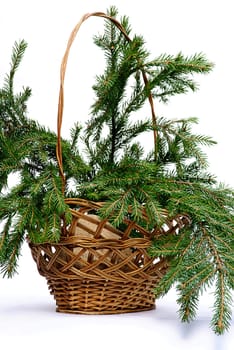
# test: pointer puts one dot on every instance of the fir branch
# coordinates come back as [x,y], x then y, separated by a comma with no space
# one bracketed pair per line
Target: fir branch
[18,51]
[9,263]
[171,75]
[116,210]
[75,134]
[189,294]
[176,265]
[222,308]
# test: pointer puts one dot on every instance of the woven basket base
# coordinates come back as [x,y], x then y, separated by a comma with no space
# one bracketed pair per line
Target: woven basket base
[101,297]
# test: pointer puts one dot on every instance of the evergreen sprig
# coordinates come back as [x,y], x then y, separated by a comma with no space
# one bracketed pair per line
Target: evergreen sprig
[33,207]
[201,254]
[173,75]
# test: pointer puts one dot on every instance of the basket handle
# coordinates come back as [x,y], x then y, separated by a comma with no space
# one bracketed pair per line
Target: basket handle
[61,90]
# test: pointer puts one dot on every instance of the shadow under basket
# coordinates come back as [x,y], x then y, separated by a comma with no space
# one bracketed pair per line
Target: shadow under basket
[99,269]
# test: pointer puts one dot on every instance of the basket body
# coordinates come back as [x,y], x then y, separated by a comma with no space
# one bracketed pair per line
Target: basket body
[99,269]
[103,287]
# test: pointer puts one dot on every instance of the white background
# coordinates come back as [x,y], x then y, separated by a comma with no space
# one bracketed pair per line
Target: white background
[27,312]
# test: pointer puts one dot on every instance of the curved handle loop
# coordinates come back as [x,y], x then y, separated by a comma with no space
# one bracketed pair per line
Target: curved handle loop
[61,90]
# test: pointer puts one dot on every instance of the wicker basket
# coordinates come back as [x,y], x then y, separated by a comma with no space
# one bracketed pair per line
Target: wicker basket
[99,269]
[96,268]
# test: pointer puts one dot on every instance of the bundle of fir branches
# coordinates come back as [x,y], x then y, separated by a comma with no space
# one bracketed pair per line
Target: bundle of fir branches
[116,168]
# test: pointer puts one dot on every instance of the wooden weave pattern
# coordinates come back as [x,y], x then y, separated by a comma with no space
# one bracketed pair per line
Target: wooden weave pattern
[99,269]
